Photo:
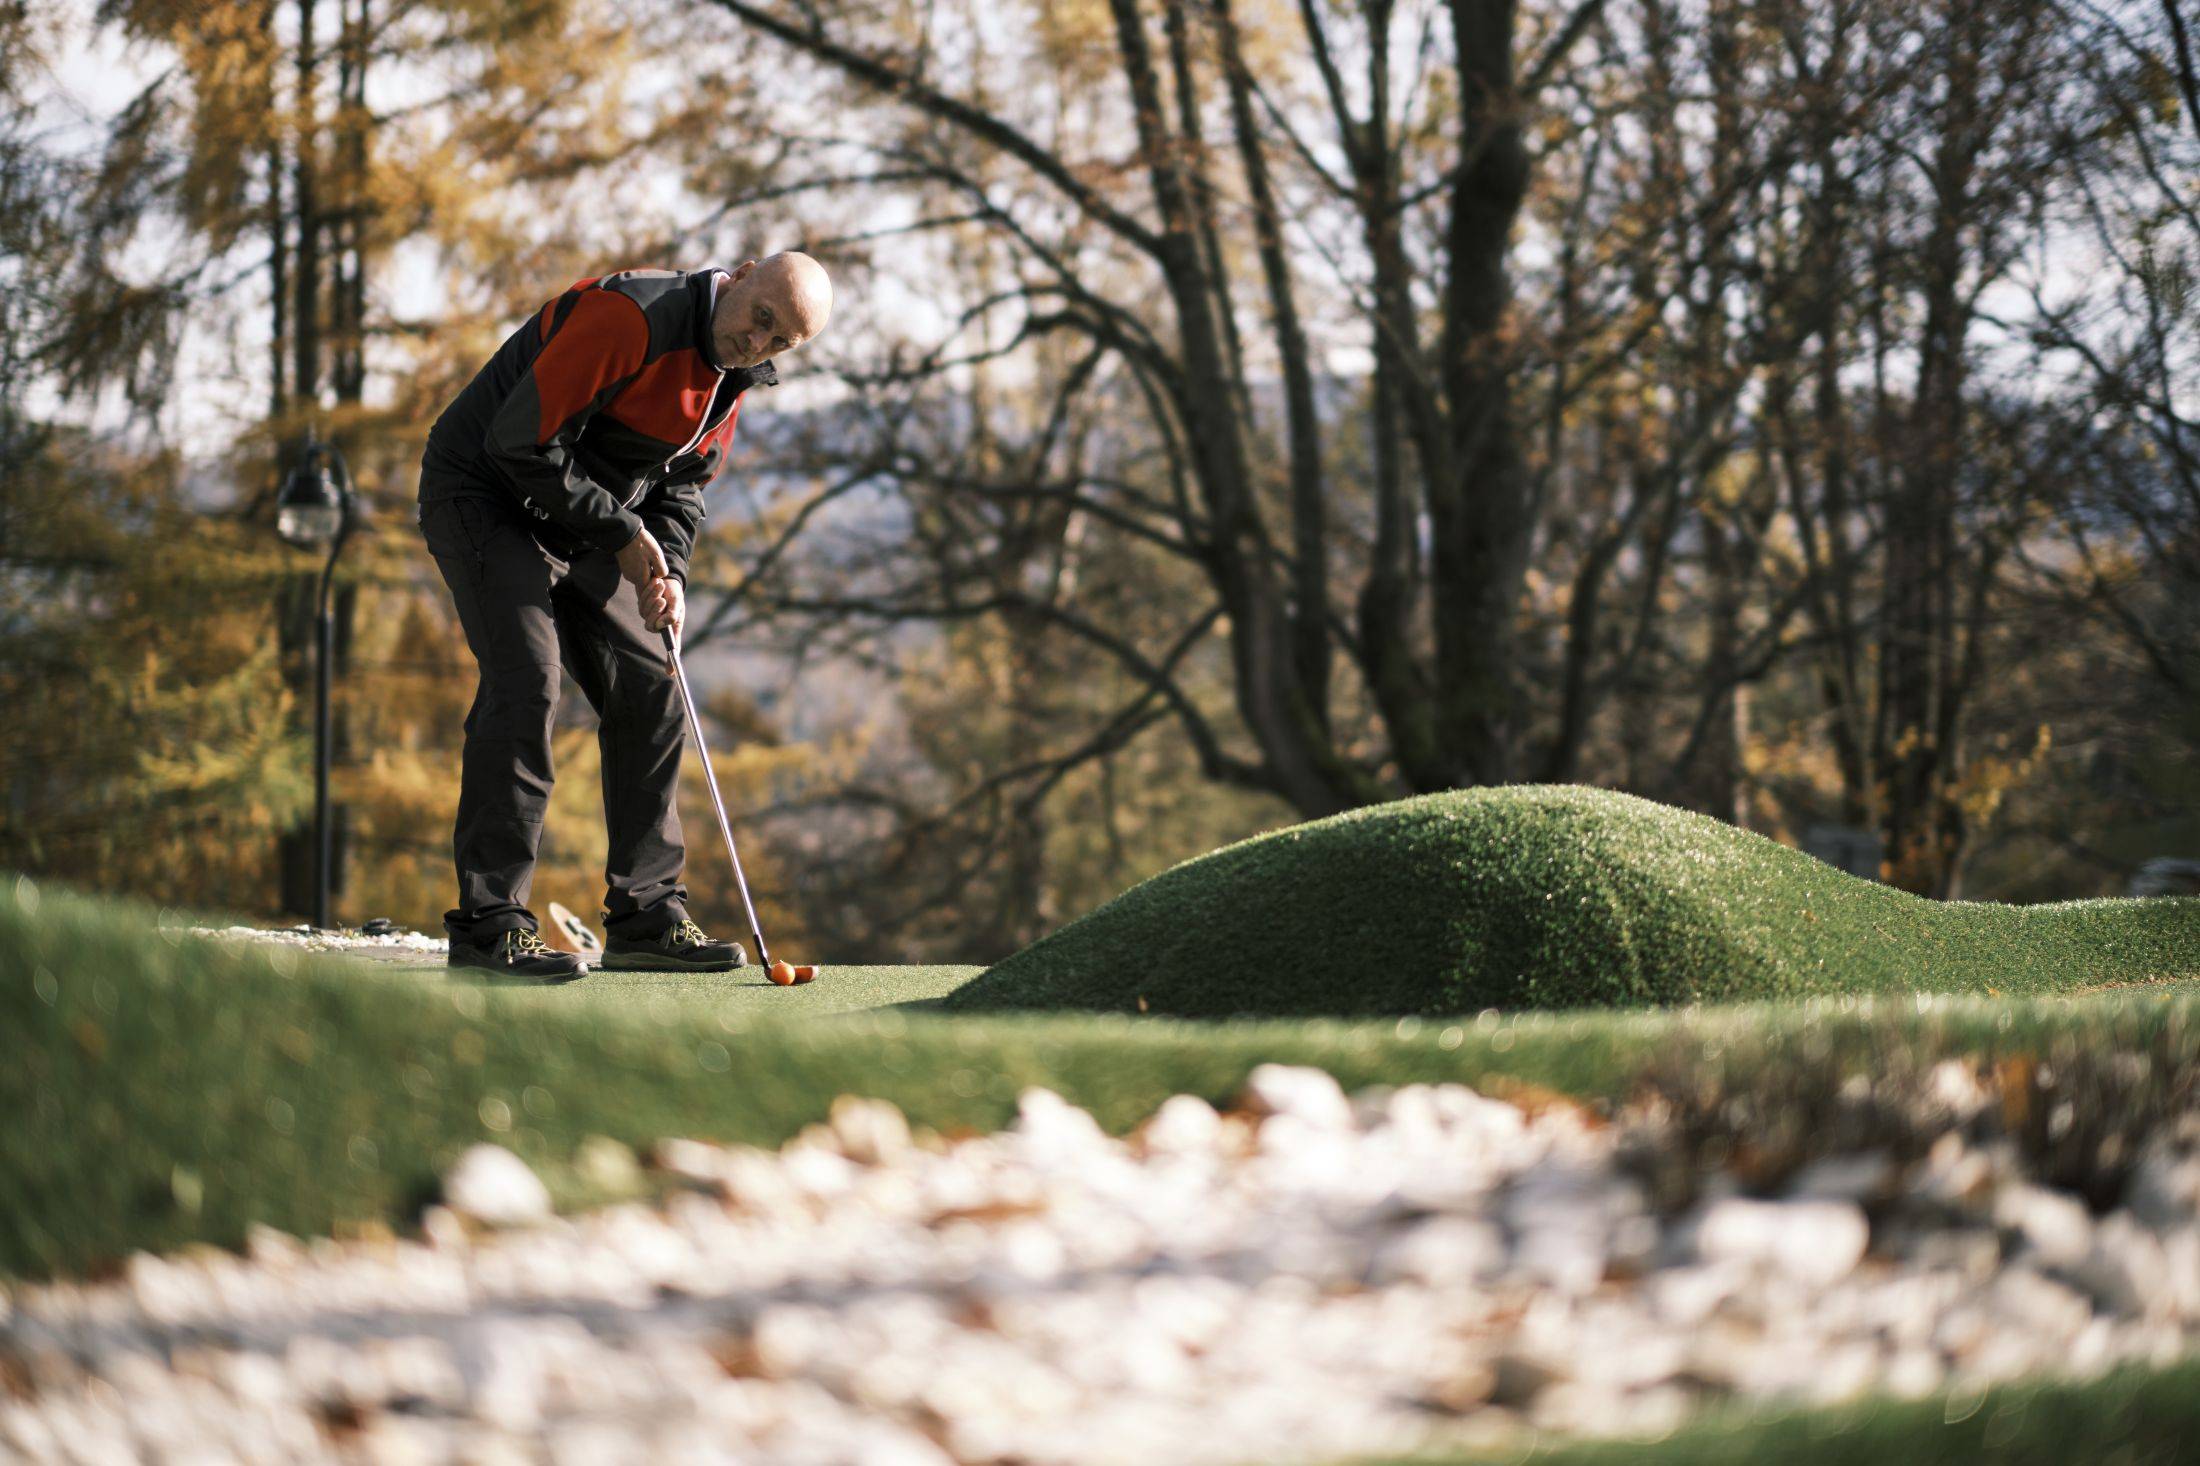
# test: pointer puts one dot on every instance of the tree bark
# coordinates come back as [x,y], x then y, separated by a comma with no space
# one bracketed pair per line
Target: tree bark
[1479,497]
[1920,823]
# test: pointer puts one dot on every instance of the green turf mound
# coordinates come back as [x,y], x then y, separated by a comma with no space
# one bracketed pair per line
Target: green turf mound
[1550,897]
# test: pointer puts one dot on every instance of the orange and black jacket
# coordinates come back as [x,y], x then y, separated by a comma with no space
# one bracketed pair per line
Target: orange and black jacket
[606,413]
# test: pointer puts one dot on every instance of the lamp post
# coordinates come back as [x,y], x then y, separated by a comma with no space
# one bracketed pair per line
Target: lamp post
[314,509]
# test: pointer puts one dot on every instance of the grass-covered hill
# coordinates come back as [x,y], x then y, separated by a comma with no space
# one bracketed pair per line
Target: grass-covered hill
[1543,897]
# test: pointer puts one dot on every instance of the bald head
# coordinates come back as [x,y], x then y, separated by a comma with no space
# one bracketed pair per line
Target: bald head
[772,305]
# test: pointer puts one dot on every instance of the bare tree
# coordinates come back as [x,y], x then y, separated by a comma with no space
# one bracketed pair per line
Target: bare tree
[1431,626]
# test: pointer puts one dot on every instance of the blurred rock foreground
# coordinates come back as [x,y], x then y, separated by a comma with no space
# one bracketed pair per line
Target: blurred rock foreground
[1308,1276]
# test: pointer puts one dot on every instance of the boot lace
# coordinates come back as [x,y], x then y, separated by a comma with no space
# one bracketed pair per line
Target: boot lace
[525,943]
[685,933]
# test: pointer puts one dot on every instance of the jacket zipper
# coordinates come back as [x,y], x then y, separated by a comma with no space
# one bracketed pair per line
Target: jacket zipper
[649,480]
[713,402]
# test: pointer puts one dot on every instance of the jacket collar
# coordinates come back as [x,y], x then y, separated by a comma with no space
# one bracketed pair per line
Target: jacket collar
[704,286]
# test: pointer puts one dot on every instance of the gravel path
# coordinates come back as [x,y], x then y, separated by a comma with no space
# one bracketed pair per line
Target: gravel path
[1313,1277]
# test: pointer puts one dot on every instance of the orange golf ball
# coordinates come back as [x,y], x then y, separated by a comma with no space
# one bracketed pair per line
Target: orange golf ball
[782,973]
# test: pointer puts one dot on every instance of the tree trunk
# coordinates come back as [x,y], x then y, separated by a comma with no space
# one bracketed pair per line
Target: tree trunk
[1479,497]
[1917,755]
[305,318]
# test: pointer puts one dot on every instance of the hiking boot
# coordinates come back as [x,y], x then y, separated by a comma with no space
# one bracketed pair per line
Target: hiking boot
[518,955]
[680,947]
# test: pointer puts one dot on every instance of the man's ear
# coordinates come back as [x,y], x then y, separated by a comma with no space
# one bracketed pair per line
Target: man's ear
[741,270]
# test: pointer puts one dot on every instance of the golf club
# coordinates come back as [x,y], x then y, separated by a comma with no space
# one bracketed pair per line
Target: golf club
[710,777]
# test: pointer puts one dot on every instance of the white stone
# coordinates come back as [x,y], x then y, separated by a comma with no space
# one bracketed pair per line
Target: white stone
[1839,1372]
[755,1181]
[2056,1226]
[1686,1296]
[1309,1095]
[2181,1269]
[494,1186]
[1954,1084]
[2124,1269]
[693,1159]
[871,1131]
[817,1171]
[1814,1241]
[1468,1113]
[1184,1124]
[2039,1308]
[1441,1252]
[1913,1372]
[1859,1177]
[608,1165]
[1562,1218]
[271,1246]
[1371,1106]
[442,1228]
[2164,1190]
[1053,1126]
[1953,1174]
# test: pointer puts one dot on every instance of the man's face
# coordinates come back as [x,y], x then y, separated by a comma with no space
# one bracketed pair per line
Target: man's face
[764,310]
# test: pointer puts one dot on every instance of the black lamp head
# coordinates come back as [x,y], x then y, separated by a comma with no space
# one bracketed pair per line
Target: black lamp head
[310,510]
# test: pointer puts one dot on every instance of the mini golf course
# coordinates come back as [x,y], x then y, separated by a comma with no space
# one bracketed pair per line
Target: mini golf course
[169,1091]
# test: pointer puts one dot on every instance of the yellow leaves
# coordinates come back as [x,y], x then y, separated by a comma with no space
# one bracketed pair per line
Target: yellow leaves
[1732,480]
[218,742]
[1782,546]
[2158,87]
[1989,778]
[1077,39]
[1908,742]
[1794,754]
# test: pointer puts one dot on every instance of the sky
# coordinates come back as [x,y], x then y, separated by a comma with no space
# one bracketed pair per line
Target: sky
[219,385]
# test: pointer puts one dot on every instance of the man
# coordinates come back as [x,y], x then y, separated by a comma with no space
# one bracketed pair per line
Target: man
[572,467]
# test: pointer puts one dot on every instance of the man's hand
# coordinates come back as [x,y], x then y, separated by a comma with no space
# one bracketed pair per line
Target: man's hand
[664,603]
[643,560]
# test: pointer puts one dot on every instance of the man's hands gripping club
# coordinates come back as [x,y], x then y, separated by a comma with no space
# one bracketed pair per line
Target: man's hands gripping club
[663,600]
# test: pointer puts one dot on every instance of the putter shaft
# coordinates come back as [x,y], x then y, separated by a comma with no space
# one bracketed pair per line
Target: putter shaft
[718,803]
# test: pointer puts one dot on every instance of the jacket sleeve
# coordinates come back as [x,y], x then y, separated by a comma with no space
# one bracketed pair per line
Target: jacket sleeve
[603,341]
[674,514]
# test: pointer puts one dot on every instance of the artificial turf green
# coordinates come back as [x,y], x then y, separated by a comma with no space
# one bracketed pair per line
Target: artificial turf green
[1550,897]
[836,990]
[2132,1417]
[163,1091]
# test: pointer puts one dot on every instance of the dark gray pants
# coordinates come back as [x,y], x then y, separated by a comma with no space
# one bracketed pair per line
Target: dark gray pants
[526,613]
